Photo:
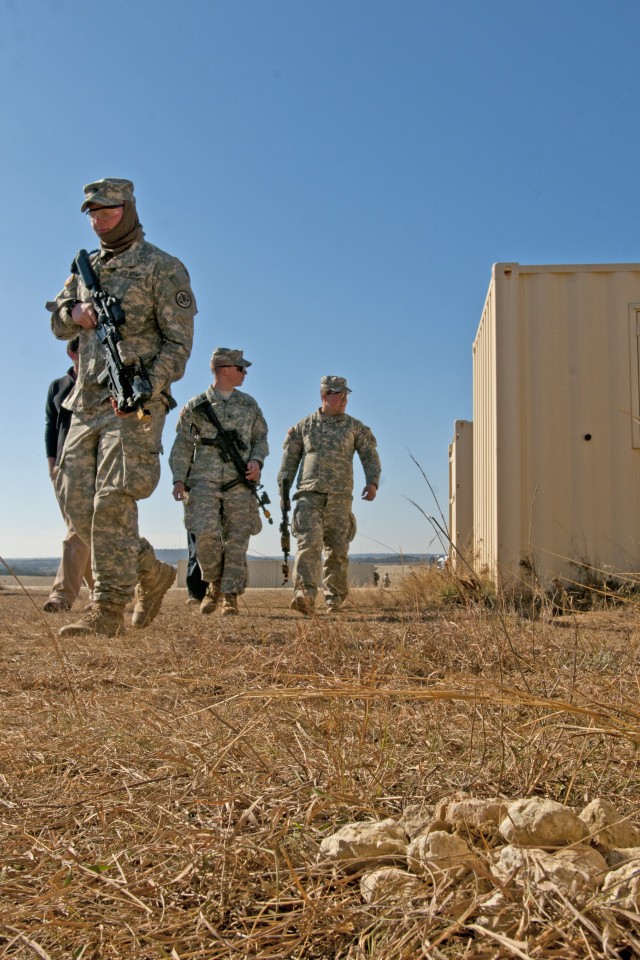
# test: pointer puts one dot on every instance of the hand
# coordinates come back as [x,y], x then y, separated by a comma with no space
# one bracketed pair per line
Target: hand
[119,413]
[179,490]
[369,492]
[253,471]
[84,315]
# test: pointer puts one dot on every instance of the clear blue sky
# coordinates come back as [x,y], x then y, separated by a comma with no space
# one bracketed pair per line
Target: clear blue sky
[337,175]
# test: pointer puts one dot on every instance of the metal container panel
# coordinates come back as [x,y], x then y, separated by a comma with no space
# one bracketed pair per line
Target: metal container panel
[461,493]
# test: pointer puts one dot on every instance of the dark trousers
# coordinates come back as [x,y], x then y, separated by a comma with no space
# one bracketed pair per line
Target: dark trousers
[196,586]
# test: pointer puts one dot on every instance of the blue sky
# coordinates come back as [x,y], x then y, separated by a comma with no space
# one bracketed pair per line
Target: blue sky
[337,175]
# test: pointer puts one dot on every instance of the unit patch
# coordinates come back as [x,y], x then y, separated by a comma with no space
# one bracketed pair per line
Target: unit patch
[183,299]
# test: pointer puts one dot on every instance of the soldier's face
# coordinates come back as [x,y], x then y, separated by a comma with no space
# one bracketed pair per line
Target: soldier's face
[334,403]
[104,219]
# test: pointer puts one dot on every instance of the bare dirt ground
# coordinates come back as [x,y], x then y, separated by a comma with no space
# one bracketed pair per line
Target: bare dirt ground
[164,794]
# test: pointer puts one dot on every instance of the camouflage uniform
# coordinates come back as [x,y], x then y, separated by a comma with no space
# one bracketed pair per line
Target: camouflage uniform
[222,520]
[323,447]
[110,462]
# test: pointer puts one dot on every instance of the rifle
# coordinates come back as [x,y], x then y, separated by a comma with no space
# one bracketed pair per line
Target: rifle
[230,443]
[285,539]
[128,382]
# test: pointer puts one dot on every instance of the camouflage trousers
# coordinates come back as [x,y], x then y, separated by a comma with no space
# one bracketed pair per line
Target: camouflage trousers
[322,520]
[109,463]
[223,522]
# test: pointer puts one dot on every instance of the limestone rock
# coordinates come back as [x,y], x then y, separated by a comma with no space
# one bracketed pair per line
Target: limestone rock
[390,883]
[619,855]
[521,867]
[538,822]
[416,817]
[622,886]
[608,827]
[586,859]
[357,844]
[440,853]
[475,813]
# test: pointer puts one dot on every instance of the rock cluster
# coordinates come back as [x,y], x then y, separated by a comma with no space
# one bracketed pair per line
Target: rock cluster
[508,846]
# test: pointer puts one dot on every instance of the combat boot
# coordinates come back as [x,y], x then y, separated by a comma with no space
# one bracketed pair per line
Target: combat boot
[229,605]
[302,604]
[103,619]
[333,603]
[210,599]
[150,590]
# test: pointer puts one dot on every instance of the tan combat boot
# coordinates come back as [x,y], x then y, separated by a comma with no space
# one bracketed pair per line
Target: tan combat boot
[210,599]
[149,593]
[303,605]
[229,605]
[103,619]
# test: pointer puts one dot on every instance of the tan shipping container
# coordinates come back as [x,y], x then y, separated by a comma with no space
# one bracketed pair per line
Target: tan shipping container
[461,492]
[556,413]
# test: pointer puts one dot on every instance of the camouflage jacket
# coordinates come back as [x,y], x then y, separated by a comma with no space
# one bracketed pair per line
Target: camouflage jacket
[323,448]
[193,459]
[155,293]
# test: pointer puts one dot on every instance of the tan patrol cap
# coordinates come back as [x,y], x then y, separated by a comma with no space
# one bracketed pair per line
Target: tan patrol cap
[225,357]
[111,192]
[334,385]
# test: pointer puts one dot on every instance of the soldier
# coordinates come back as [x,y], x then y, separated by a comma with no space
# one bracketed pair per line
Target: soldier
[220,509]
[111,460]
[323,446]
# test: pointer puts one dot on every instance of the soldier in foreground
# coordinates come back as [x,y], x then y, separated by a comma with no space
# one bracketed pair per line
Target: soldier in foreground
[323,446]
[219,495]
[111,457]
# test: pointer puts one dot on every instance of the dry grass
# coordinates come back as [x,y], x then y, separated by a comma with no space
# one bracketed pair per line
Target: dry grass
[165,794]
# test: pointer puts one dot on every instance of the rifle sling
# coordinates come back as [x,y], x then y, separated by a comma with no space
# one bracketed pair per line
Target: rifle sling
[206,407]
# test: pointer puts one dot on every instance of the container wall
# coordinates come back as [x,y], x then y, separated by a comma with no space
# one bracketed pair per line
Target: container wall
[564,491]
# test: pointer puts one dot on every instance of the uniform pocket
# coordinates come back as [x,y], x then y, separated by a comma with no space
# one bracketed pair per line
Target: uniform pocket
[353,527]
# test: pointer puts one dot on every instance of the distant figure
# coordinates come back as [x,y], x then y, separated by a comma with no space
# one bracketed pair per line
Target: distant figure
[386,582]
[75,564]
[196,586]
[376,578]
[219,508]
[323,446]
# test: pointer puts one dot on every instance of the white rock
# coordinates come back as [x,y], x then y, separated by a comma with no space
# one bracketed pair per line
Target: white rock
[539,822]
[622,887]
[440,853]
[619,855]
[390,883]
[586,859]
[608,827]
[474,813]
[358,844]
[523,867]
[416,817]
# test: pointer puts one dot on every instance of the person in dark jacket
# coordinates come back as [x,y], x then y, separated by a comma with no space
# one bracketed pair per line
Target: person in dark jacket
[75,564]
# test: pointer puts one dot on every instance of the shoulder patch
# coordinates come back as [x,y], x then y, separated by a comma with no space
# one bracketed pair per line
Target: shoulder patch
[183,299]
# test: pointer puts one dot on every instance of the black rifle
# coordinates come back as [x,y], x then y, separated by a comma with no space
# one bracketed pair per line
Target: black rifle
[128,383]
[285,539]
[230,443]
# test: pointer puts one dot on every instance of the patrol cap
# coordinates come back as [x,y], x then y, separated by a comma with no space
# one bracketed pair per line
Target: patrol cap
[226,357]
[111,192]
[334,385]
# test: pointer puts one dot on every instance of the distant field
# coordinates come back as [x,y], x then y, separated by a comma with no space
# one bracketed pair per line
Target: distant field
[164,794]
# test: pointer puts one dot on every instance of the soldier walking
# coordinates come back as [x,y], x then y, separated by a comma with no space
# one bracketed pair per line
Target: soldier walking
[322,447]
[112,459]
[219,508]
